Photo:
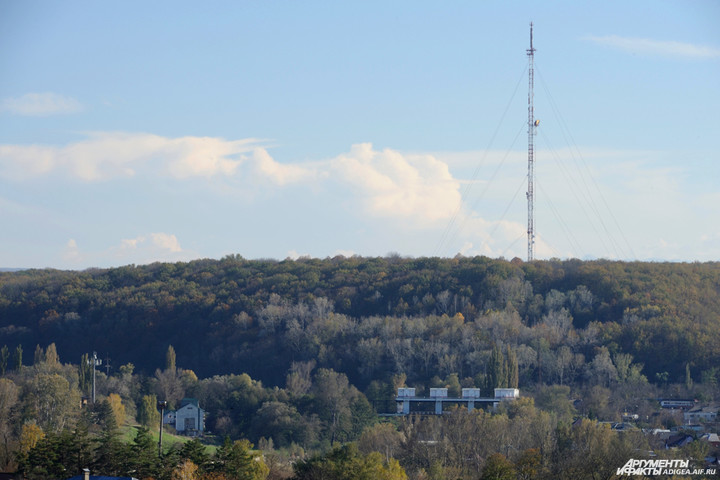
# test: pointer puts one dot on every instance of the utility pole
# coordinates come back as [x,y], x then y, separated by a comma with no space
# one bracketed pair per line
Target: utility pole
[532,125]
[95,362]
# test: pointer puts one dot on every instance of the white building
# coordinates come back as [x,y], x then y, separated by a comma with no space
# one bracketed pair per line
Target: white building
[188,419]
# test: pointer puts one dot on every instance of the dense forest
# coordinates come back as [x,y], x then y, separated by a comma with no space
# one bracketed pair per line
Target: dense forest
[370,317]
[299,357]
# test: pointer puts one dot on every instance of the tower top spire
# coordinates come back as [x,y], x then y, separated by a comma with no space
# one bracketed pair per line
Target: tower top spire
[531,50]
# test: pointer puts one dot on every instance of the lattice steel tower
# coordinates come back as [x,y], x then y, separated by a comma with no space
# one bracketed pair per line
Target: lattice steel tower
[532,125]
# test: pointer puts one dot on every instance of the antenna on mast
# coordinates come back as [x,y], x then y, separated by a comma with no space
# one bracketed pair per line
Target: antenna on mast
[532,125]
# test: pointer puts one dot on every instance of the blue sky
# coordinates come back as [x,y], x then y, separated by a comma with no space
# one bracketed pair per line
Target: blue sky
[134,132]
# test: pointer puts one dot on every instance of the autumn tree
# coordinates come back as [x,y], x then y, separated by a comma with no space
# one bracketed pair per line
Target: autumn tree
[187,470]
[117,407]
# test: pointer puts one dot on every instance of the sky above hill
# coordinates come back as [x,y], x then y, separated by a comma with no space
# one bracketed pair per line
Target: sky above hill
[134,132]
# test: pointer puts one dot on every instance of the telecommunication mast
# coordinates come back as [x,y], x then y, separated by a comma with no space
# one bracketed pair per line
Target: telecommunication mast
[532,125]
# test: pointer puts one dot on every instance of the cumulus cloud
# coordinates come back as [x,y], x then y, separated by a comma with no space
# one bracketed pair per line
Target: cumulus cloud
[396,185]
[388,183]
[166,242]
[646,46]
[280,174]
[40,104]
[106,155]
[71,252]
[143,249]
[162,241]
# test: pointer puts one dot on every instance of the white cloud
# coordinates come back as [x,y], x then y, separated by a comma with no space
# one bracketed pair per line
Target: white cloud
[646,46]
[280,174]
[106,155]
[26,161]
[204,156]
[162,241]
[390,184]
[41,104]
[71,252]
[166,241]
[142,249]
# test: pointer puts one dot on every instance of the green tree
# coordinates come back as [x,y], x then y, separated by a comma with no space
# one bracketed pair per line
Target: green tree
[497,467]
[4,356]
[18,358]
[346,463]
[148,414]
[111,453]
[241,463]
[497,374]
[383,438]
[333,395]
[196,452]
[170,359]
[144,454]
[54,401]
[512,369]
[85,374]
[9,394]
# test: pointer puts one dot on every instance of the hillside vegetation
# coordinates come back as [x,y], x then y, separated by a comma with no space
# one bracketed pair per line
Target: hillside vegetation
[298,357]
[370,317]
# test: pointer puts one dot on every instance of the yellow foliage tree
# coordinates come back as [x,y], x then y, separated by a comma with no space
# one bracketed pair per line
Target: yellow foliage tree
[185,471]
[118,408]
[30,435]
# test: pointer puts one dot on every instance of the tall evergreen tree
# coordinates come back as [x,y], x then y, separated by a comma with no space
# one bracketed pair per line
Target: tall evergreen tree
[194,451]
[51,356]
[242,464]
[170,359]
[4,356]
[144,455]
[512,369]
[498,374]
[18,357]
[85,374]
[111,453]
[39,356]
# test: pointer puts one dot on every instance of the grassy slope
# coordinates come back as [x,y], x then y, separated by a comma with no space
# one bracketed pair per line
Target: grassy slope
[169,439]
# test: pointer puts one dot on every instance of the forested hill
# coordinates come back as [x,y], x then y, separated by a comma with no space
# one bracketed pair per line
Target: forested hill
[371,317]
